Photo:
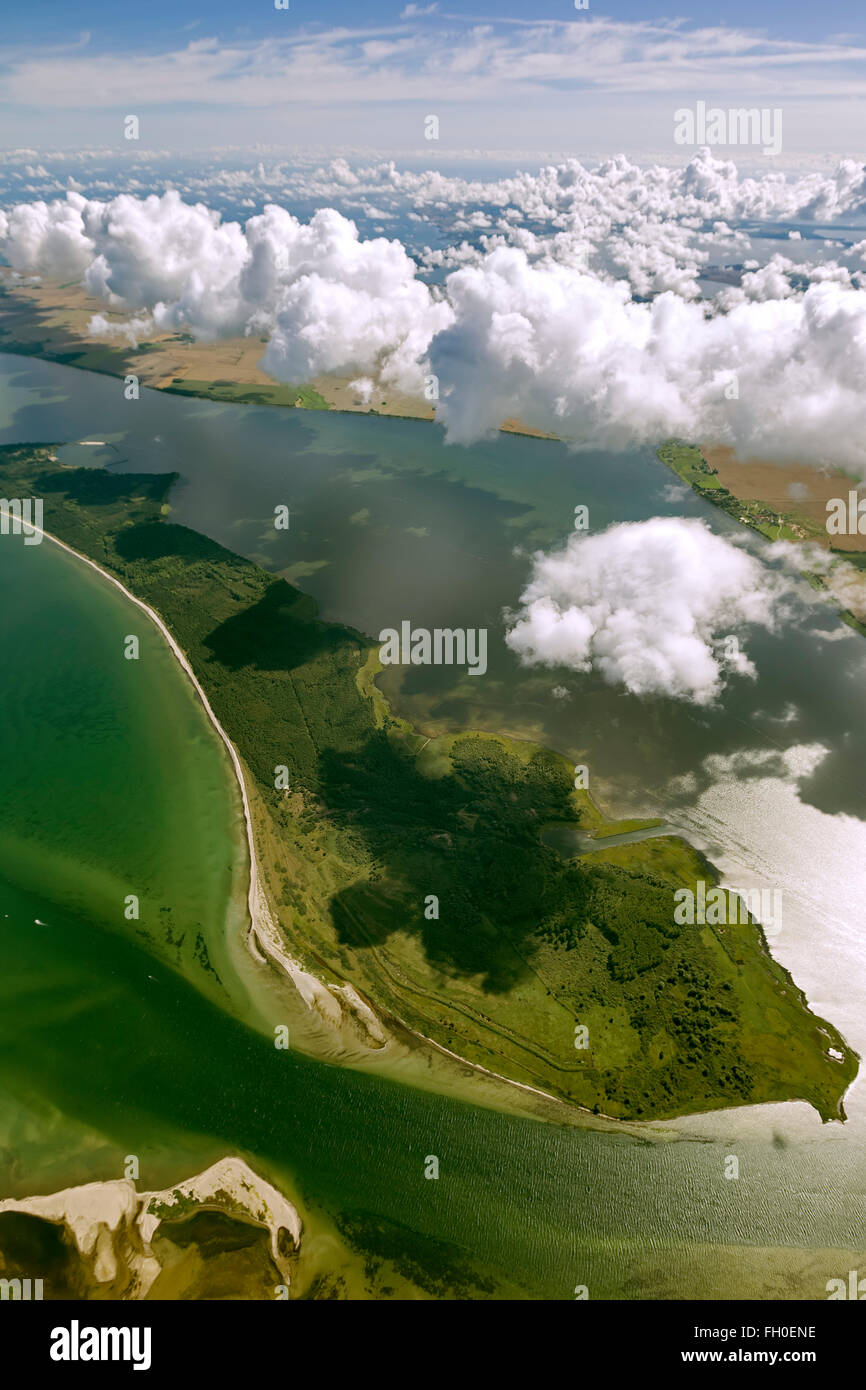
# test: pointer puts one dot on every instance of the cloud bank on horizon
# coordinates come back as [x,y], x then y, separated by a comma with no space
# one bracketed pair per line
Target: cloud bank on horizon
[577,306]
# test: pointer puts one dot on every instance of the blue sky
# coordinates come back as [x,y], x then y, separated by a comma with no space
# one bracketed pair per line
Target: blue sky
[161,21]
[537,75]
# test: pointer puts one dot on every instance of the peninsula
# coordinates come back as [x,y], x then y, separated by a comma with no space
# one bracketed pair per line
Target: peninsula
[568,974]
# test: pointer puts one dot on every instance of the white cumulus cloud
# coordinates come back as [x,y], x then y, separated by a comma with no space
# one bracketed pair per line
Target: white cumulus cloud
[596,327]
[324,299]
[647,604]
[572,354]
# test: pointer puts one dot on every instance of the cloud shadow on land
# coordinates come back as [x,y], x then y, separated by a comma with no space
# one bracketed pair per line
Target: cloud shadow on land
[470,838]
[280,632]
[93,487]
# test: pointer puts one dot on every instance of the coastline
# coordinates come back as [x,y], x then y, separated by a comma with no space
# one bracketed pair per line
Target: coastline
[112,1224]
[262,934]
[508,426]
[262,929]
[754,515]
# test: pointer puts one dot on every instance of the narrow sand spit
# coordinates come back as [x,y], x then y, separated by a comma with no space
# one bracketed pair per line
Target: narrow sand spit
[263,930]
[113,1224]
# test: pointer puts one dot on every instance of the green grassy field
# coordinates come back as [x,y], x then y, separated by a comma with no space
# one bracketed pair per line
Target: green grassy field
[525,946]
[244,393]
[688,464]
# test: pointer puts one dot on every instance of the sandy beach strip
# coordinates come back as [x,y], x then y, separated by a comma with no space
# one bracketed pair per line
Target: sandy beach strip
[185,664]
[264,935]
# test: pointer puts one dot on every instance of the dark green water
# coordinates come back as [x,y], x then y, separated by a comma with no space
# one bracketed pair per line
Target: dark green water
[90,743]
[107,1052]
